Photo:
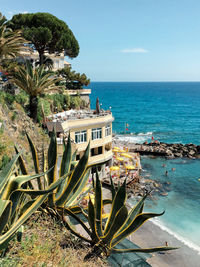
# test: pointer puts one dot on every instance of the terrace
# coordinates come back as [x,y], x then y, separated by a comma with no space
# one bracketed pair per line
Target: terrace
[72,115]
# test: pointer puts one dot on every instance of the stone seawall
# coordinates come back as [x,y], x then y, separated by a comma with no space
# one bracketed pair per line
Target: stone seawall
[167,150]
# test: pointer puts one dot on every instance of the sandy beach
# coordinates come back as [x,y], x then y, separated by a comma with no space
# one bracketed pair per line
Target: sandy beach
[151,235]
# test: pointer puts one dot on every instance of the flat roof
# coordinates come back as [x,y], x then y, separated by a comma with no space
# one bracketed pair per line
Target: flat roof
[71,115]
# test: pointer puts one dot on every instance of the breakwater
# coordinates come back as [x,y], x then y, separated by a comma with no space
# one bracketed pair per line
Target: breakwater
[167,150]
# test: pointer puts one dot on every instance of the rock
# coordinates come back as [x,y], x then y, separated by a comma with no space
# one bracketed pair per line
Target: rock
[198,149]
[178,155]
[192,152]
[164,194]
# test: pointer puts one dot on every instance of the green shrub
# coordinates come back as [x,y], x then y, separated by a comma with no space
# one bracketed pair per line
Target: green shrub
[14,115]
[5,159]
[9,99]
[2,147]
[46,108]
[75,102]
[21,98]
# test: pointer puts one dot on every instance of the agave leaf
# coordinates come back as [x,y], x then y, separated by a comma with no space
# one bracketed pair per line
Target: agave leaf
[6,173]
[118,202]
[5,238]
[107,202]
[73,165]
[74,232]
[66,158]
[77,191]
[44,169]
[118,221]
[23,167]
[74,155]
[35,159]
[143,250]
[34,154]
[15,196]
[74,209]
[98,205]
[135,225]
[92,221]
[16,182]
[26,206]
[21,163]
[5,211]
[52,162]
[74,179]
[69,212]
[133,213]
[65,165]
[113,191]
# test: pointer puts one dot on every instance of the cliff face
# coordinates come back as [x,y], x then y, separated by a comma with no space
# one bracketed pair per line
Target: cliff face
[15,122]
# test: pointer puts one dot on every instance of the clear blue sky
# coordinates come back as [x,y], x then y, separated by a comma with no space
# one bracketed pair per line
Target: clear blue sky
[128,40]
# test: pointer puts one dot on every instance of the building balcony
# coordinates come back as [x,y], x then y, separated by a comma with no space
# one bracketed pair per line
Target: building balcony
[101,157]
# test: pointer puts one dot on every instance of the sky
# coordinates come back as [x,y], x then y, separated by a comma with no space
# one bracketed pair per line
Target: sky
[127,40]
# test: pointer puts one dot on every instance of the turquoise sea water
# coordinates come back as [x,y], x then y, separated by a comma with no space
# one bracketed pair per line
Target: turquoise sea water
[170,112]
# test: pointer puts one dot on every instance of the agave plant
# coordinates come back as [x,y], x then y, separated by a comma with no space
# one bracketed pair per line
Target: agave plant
[76,174]
[104,235]
[15,206]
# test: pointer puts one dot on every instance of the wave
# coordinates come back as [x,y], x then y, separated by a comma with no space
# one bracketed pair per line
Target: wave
[177,236]
[134,138]
[145,134]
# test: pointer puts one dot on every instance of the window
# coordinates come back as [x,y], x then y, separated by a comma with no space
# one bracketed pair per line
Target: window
[80,137]
[96,133]
[107,130]
[96,151]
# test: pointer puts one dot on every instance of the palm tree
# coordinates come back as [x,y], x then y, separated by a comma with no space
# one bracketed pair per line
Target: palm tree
[35,82]
[47,62]
[11,42]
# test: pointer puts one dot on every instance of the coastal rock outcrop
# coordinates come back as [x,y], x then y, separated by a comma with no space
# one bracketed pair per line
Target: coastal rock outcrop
[167,150]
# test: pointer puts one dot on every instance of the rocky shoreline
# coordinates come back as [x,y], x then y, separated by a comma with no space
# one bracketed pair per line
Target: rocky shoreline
[169,151]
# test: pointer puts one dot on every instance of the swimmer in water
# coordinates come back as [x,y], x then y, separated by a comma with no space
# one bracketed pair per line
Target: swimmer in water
[164,165]
[166,173]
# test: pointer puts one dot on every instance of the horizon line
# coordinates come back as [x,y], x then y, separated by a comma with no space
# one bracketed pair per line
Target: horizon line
[147,81]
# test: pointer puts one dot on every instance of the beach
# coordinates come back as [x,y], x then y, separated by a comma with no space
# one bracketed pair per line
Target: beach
[151,234]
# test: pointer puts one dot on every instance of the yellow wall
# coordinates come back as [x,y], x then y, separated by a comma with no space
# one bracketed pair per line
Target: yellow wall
[88,124]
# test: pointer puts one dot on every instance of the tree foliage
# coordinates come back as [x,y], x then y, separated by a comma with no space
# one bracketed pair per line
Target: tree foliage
[11,41]
[73,80]
[35,82]
[46,33]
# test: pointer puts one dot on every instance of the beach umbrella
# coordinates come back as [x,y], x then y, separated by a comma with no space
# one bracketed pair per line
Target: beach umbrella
[122,151]
[119,158]
[129,167]
[126,155]
[114,168]
[116,147]
[115,150]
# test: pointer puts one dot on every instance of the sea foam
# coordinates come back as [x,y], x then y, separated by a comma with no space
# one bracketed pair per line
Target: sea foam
[185,241]
[134,138]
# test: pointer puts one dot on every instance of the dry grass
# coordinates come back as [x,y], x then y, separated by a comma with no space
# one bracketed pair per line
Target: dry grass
[46,242]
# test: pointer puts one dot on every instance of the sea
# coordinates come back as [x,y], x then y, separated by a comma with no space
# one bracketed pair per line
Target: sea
[168,112]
